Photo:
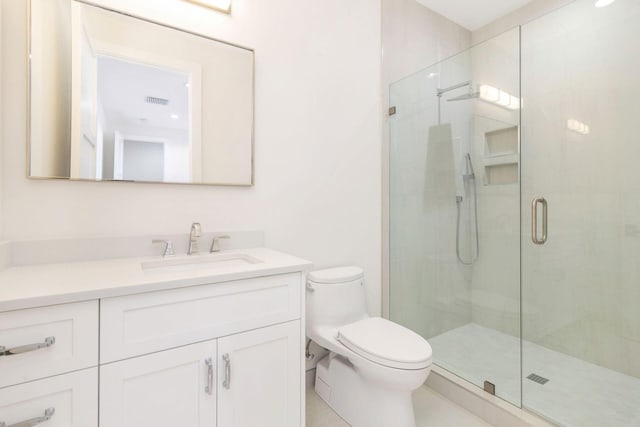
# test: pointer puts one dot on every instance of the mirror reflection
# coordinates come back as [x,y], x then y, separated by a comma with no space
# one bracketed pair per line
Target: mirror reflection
[119,98]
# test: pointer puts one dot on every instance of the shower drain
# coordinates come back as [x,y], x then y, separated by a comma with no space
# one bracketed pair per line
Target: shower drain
[538,379]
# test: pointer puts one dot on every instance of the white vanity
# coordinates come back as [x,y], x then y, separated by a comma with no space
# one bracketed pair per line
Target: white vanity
[186,341]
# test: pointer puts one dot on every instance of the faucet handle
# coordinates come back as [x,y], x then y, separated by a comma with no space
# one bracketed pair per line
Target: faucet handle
[215,247]
[168,248]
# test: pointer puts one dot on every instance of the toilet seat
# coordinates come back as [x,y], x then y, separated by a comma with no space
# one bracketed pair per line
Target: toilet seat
[386,343]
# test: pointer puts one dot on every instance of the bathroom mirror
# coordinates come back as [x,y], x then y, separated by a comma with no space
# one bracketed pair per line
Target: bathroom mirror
[118,98]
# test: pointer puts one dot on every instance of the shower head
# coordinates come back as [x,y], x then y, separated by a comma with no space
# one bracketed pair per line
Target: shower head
[470,95]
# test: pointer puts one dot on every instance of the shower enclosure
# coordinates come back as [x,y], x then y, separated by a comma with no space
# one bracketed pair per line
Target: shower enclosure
[515,213]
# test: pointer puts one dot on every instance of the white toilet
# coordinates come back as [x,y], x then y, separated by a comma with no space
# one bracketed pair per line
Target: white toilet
[374,364]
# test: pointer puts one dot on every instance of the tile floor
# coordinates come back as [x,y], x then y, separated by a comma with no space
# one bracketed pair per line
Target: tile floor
[578,393]
[432,410]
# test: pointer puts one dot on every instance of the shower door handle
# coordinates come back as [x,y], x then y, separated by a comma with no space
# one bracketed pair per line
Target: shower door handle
[534,220]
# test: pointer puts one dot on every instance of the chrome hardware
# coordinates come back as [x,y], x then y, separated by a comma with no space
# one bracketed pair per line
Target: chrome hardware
[195,232]
[227,371]
[168,247]
[307,352]
[48,342]
[215,247]
[209,387]
[392,111]
[534,220]
[309,288]
[48,413]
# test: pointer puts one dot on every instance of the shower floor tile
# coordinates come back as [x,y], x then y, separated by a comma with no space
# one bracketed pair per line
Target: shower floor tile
[577,394]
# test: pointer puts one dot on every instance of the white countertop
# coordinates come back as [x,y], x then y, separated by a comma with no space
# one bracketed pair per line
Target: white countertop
[46,284]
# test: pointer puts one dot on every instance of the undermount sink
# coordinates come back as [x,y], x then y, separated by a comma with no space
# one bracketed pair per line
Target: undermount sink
[199,262]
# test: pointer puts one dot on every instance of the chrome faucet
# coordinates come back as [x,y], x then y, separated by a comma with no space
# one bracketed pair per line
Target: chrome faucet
[196,230]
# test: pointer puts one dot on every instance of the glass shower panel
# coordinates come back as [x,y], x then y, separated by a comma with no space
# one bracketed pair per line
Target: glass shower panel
[455,212]
[580,152]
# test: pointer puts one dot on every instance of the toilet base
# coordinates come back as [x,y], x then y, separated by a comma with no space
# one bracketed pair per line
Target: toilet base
[359,402]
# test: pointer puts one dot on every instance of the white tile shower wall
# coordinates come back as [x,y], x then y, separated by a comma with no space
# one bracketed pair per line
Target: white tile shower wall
[527,13]
[495,279]
[317,142]
[413,38]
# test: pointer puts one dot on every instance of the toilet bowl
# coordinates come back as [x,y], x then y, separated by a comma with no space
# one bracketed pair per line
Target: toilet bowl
[374,365]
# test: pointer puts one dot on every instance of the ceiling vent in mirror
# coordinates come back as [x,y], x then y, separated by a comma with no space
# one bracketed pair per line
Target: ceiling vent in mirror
[158,101]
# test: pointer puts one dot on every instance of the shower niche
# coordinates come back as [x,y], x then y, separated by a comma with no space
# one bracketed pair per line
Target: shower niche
[501,156]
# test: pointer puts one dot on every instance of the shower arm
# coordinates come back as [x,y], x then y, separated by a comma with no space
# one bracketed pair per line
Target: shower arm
[441,92]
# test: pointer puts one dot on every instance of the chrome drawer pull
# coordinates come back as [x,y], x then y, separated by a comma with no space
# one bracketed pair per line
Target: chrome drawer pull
[48,342]
[227,371]
[209,387]
[48,413]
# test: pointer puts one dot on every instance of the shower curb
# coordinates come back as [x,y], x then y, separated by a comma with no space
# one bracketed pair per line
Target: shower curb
[491,409]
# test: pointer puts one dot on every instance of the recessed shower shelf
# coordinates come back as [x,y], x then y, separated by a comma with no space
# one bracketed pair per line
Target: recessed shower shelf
[505,159]
[501,173]
[501,156]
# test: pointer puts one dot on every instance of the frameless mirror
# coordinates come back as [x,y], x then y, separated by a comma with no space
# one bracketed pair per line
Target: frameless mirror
[114,97]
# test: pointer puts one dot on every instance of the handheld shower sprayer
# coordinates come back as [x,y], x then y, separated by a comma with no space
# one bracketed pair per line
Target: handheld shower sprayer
[467,177]
[469,173]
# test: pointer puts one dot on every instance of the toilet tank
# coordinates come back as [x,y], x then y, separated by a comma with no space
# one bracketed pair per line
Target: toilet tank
[335,297]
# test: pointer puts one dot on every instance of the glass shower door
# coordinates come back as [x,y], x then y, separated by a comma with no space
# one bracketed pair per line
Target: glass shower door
[580,164]
[455,212]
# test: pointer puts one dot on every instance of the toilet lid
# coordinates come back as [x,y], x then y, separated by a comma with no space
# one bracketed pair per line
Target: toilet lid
[386,343]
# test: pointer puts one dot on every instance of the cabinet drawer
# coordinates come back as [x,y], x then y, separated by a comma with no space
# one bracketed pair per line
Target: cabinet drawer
[72,401]
[145,323]
[45,341]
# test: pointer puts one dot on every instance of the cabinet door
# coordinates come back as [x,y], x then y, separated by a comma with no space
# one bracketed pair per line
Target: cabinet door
[69,400]
[166,389]
[259,377]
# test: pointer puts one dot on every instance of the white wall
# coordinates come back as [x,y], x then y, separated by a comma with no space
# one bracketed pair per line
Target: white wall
[527,13]
[413,38]
[317,153]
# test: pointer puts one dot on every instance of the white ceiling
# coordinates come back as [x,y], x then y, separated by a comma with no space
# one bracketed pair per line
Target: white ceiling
[123,87]
[473,14]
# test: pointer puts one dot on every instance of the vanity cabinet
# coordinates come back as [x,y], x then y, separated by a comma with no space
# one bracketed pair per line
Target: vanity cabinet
[225,354]
[252,378]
